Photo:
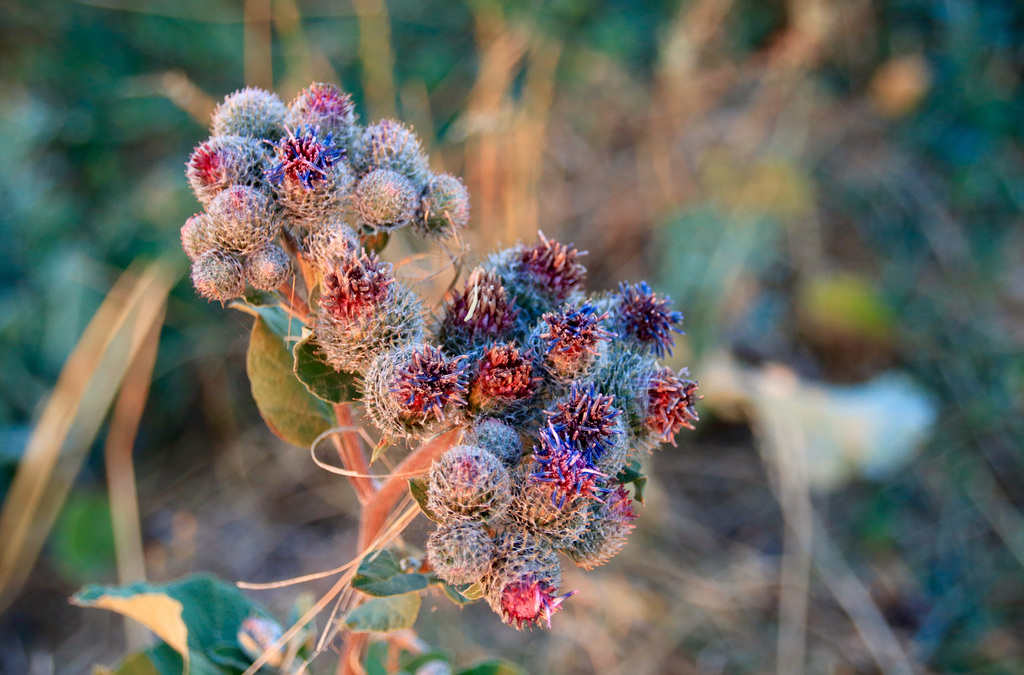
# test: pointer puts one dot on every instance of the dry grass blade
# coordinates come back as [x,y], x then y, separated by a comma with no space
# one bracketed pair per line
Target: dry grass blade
[72,417]
[124,505]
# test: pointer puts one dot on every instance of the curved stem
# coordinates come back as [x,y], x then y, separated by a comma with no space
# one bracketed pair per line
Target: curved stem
[352,455]
[375,515]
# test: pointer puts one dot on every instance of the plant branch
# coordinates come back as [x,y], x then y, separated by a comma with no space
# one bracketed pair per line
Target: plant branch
[352,455]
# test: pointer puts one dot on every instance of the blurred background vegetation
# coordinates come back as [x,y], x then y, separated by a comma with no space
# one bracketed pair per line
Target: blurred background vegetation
[830,190]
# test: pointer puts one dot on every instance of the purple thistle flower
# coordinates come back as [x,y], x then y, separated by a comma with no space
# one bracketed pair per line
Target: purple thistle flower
[646,318]
[429,383]
[355,284]
[572,336]
[554,266]
[529,601]
[563,465]
[588,419]
[483,309]
[670,404]
[504,376]
[303,159]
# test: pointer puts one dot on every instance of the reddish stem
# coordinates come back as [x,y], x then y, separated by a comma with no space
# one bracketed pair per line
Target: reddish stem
[352,455]
[374,517]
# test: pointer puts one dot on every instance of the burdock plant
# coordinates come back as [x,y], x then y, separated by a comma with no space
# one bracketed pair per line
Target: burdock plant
[527,404]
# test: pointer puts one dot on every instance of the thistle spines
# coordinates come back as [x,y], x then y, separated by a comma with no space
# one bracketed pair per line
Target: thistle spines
[389,144]
[415,390]
[460,552]
[468,483]
[328,108]
[385,200]
[443,208]
[222,161]
[250,112]
[522,582]
[497,437]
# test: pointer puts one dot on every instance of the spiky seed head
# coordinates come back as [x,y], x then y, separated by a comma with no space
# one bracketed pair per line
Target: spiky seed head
[355,285]
[197,236]
[365,315]
[385,200]
[444,207]
[329,108]
[218,276]
[503,377]
[267,268]
[559,462]
[242,219]
[304,160]
[250,112]
[415,390]
[468,483]
[329,240]
[460,552]
[537,508]
[606,531]
[222,161]
[670,404]
[480,313]
[571,337]
[625,374]
[587,418]
[645,318]
[522,583]
[553,266]
[497,437]
[389,144]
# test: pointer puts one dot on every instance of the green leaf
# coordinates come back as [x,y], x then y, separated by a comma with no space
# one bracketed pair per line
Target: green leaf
[383,615]
[138,663]
[319,378]
[291,412]
[493,667]
[396,585]
[639,481]
[473,592]
[194,616]
[380,449]
[381,576]
[418,490]
[457,594]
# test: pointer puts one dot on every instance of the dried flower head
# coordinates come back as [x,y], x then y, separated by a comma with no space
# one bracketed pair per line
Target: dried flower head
[562,464]
[364,316]
[304,159]
[328,108]
[644,317]
[572,336]
[218,276]
[329,240]
[444,207]
[242,220]
[537,508]
[670,404]
[553,266]
[355,285]
[385,200]
[587,418]
[480,313]
[460,552]
[468,483]
[222,161]
[250,112]
[197,236]
[497,437]
[389,144]
[606,531]
[522,584]
[415,390]
[503,377]
[268,267]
